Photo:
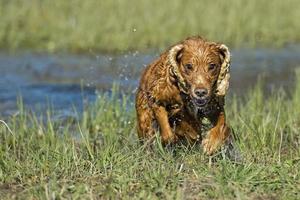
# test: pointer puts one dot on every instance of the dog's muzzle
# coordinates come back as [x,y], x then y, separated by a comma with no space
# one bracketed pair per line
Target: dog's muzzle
[200,97]
[200,102]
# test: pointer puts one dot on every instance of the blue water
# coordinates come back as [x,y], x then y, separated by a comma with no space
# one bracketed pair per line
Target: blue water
[64,82]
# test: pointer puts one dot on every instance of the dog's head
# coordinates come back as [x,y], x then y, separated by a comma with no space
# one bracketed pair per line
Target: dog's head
[201,69]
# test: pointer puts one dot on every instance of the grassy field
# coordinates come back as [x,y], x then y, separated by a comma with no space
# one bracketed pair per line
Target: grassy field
[99,157]
[55,25]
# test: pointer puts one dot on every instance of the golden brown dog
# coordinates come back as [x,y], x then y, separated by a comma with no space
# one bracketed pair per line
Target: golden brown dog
[185,84]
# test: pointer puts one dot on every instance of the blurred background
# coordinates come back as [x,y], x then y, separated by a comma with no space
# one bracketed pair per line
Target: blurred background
[62,54]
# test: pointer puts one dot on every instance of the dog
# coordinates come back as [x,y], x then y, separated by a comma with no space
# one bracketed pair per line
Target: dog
[186,84]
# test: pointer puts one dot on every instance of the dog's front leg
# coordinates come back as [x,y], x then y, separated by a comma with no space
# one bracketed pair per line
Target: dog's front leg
[187,126]
[217,135]
[161,115]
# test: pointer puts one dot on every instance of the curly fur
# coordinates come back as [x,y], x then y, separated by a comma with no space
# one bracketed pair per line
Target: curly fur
[166,94]
[223,79]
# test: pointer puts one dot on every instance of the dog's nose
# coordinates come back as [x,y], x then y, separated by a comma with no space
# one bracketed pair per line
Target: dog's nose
[201,92]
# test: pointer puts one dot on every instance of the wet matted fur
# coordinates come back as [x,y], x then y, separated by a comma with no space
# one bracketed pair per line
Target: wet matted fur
[187,83]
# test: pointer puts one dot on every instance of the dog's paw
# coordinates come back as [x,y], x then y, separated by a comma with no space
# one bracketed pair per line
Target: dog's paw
[170,139]
[175,138]
[211,145]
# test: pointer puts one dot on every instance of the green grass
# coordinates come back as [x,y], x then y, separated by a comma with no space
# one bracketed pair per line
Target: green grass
[99,157]
[119,25]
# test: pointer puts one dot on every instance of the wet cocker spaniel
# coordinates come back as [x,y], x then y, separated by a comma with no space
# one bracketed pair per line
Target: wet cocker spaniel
[187,83]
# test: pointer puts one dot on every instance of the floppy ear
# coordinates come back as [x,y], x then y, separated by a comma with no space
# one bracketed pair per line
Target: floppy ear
[174,56]
[223,78]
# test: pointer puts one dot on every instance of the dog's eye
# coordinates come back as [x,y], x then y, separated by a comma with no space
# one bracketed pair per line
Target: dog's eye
[211,66]
[188,66]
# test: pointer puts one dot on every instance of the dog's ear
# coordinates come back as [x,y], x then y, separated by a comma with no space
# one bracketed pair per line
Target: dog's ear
[223,78]
[175,55]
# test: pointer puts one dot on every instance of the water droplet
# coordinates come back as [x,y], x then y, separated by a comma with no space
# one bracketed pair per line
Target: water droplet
[134,90]
[135,53]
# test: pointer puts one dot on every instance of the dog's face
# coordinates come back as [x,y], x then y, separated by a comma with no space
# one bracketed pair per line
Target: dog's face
[199,63]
